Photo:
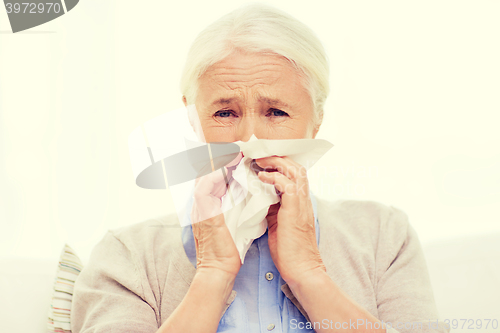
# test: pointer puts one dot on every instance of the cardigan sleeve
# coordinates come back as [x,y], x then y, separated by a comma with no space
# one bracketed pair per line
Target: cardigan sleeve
[405,300]
[108,295]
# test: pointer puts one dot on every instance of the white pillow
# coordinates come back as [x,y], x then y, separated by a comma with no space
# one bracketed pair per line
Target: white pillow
[68,269]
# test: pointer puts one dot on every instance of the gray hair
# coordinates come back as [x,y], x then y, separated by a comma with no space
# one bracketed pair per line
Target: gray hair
[264,29]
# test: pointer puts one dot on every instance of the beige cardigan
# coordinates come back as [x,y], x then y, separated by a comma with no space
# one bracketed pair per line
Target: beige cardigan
[137,275]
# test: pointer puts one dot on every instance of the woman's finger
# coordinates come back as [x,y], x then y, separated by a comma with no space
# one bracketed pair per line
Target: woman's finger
[284,165]
[212,184]
[290,191]
[236,160]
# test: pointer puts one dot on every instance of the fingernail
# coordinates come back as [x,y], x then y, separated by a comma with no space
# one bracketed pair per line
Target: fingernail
[254,166]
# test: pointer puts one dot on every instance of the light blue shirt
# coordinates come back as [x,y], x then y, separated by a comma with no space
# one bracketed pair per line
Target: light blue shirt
[260,304]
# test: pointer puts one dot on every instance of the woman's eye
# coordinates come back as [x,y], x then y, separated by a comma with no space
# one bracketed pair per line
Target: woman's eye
[278,113]
[223,113]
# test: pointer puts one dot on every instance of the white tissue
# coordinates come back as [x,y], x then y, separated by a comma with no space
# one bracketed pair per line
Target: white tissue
[246,220]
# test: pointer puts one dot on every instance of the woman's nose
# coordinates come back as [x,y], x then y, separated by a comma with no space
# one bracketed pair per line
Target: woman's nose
[247,127]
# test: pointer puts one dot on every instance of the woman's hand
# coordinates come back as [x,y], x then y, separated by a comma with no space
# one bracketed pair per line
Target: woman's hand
[215,248]
[291,225]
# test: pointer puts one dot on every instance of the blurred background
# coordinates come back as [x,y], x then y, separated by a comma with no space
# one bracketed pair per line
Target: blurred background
[413,114]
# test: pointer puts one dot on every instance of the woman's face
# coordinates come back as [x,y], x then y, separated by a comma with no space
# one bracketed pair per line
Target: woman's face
[252,93]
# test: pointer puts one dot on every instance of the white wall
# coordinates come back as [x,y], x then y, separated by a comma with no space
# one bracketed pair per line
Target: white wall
[414,100]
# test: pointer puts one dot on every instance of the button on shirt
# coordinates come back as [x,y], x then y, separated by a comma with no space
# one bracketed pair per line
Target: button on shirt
[260,304]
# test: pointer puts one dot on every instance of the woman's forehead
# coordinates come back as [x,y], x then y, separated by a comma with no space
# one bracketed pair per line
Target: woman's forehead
[271,78]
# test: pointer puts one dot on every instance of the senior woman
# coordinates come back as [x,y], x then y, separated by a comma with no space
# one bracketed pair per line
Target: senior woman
[351,266]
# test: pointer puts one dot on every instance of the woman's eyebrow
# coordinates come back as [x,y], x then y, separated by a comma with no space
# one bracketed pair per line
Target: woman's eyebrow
[270,101]
[274,102]
[223,101]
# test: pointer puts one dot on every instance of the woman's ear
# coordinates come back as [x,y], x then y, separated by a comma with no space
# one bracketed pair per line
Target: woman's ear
[315,131]
[317,124]
[190,115]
